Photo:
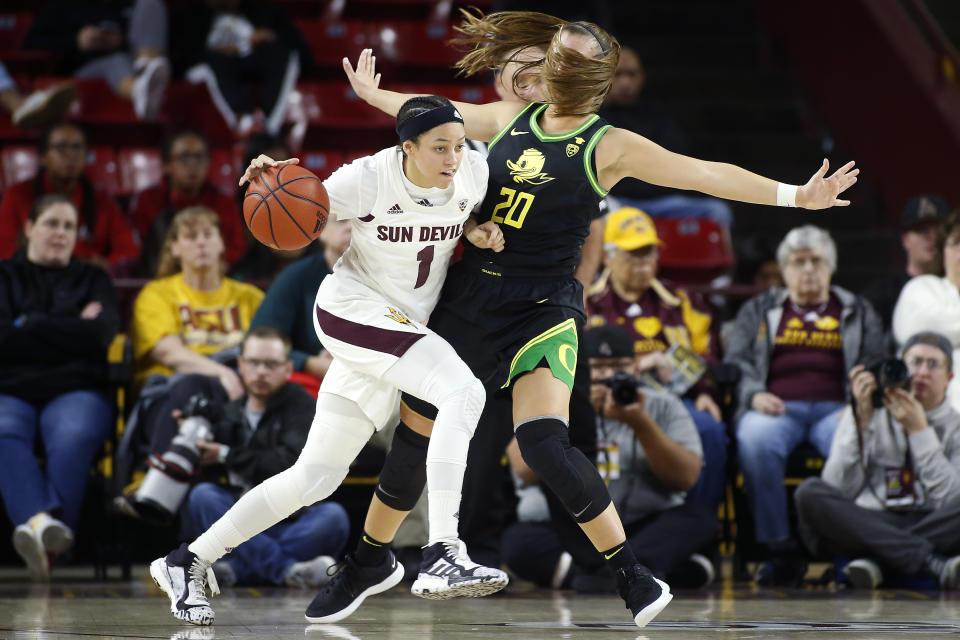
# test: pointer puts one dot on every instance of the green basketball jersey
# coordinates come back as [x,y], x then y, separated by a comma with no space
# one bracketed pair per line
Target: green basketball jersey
[543,192]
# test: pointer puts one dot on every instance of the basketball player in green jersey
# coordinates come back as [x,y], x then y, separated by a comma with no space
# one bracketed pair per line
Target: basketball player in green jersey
[512,316]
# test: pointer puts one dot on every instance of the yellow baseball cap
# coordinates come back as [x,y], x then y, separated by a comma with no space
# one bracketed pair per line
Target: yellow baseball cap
[630,228]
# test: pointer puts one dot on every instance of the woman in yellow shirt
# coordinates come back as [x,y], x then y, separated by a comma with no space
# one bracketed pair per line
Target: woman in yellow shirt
[187,314]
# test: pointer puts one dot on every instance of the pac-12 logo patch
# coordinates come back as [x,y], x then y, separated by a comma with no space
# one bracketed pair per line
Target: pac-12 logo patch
[398,316]
[463,205]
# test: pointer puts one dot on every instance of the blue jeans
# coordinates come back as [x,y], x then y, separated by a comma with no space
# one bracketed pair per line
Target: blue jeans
[321,530]
[73,426]
[682,206]
[765,441]
[713,437]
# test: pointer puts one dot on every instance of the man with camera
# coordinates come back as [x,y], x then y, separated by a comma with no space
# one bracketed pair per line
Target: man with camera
[649,454]
[889,496]
[256,437]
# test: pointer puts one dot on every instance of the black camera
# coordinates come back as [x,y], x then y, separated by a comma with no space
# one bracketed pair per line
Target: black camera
[623,388]
[890,373]
[171,472]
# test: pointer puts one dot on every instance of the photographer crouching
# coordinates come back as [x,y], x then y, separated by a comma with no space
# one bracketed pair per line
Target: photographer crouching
[248,440]
[889,495]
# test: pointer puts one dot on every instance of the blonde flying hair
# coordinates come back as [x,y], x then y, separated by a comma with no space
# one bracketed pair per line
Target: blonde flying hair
[573,83]
[190,217]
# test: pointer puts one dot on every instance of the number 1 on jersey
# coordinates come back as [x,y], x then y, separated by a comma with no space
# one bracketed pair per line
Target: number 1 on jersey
[515,200]
[424,257]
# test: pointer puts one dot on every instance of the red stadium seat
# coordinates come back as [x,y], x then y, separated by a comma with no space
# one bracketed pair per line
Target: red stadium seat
[417,43]
[223,174]
[473,93]
[352,154]
[96,102]
[335,105]
[102,169]
[13,30]
[140,168]
[694,249]
[322,163]
[19,163]
[331,40]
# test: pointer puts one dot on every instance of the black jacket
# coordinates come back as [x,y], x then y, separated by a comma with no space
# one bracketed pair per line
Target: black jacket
[46,348]
[276,443]
[56,25]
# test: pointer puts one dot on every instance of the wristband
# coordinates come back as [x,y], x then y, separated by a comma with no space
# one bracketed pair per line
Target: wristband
[223,453]
[786,195]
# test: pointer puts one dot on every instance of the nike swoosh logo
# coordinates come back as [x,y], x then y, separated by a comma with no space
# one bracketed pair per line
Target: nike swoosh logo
[577,515]
[607,557]
[542,301]
[514,132]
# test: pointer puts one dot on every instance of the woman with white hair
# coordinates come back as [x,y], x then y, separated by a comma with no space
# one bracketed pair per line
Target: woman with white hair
[794,347]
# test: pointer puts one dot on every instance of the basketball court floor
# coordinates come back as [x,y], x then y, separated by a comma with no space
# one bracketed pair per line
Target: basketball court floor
[77,608]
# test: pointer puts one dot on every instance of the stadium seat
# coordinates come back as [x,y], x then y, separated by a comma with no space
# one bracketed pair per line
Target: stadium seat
[140,168]
[322,163]
[102,169]
[417,43]
[473,93]
[19,163]
[695,250]
[352,154]
[223,174]
[331,40]
[13,30]
[96,102]
[335,105]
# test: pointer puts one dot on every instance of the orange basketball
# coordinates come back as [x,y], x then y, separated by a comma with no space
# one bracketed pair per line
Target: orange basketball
[286,207]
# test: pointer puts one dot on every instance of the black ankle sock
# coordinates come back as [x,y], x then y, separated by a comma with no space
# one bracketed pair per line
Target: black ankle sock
[620,557]
[370,551]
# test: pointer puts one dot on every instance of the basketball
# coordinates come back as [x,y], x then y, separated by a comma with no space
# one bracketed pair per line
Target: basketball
[286,207]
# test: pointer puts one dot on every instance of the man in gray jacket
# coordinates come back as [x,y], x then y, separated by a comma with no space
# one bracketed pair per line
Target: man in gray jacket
[890,491]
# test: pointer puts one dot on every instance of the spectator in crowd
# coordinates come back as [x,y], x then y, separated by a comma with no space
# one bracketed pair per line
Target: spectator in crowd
[103,235]
[649,455]
[659,315]
[222,43]
[259,435]
[186,322]
[38,109]
[794,347]
[289,302]
[122,42]
[186,163]
[57,320]
[921,218]
[624,108]
[932,303]
[260,262]
[889,496]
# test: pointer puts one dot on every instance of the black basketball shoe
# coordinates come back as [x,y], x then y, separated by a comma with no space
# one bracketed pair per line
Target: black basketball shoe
[645,595]
[350,585]
[448,572]
[184,578]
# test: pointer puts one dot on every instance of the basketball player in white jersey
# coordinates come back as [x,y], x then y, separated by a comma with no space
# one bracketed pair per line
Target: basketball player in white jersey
[408,207]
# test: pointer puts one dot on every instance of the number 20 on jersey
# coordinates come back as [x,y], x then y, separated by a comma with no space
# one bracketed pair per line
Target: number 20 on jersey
[517,205]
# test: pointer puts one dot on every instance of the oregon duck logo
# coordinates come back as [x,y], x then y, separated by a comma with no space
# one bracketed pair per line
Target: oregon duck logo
[398,316]
[529,168]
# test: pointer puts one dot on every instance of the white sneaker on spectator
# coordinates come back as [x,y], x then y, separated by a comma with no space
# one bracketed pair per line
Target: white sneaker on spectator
[43,108]
[55,535]
[149,87]
[863,573]
[309,574]
[26,541]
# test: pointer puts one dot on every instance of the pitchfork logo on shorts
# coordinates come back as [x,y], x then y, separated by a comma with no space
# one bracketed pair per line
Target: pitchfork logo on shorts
[398,316]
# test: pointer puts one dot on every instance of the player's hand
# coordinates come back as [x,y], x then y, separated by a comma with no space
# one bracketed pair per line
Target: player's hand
[260,164]
[487,236]
[364,80]
[821,193]
[766,402]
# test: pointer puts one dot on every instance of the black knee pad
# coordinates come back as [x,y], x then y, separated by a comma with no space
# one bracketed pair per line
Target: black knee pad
[404,473]
[545,446]
[418,406]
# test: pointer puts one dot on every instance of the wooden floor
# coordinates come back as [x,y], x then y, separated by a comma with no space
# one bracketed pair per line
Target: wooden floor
[77,608]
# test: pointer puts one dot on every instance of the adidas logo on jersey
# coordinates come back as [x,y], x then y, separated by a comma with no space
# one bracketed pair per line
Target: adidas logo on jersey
[395,209]
[424,203]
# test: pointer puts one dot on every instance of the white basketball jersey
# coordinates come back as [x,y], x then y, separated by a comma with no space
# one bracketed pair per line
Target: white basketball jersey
[402,248]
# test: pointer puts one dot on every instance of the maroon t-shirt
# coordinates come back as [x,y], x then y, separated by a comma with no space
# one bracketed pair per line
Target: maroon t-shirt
[807,362]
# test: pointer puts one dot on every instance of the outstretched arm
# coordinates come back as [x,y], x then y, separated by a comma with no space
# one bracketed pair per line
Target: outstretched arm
[481,121]
[623,154]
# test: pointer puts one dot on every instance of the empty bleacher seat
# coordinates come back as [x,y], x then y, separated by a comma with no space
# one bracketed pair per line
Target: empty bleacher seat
[335,105]
[223,174]
[694,250]
[140,168]
[331,40]
[102,169]
[322,163]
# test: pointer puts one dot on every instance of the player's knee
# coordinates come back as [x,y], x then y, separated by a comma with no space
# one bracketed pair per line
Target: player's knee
[315,481]
[404,472]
